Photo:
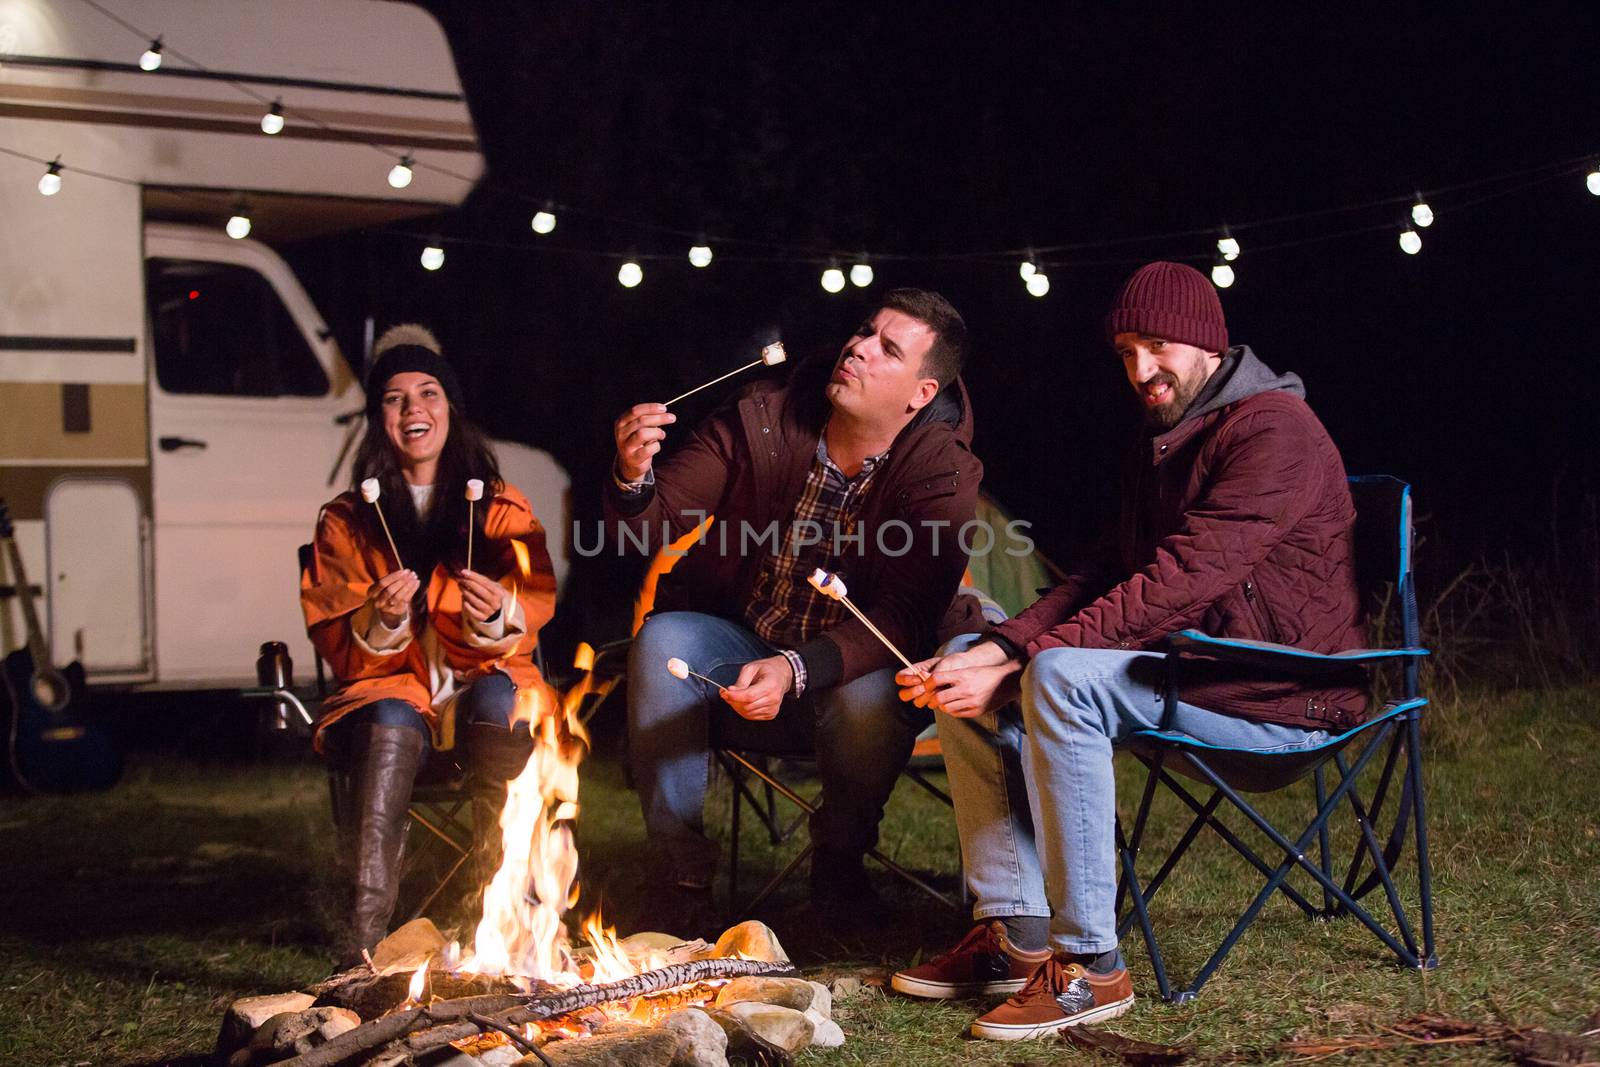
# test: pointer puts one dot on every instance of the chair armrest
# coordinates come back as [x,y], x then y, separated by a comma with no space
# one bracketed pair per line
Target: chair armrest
[1279,657]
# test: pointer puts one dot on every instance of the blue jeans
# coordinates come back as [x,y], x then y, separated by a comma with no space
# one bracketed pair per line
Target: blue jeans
[1034,793]
[860,735]
[491,699]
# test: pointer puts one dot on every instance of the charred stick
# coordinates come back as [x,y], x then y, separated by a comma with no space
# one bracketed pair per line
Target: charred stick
[392,1027]
[510,1031]
[586,996]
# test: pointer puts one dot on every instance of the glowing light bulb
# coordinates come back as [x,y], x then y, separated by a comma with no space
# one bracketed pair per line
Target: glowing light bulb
[700,256]
[1228,245]
[1027,269]
[1038,283]
[833,279]
[432,257]
[239,227]
[1222,275]
[1422,214]
[151,59]
[50,180]
[861,275]
[630,274]
[272,121]
[400,173]
[1593,180]
[1410,242]
[544,221]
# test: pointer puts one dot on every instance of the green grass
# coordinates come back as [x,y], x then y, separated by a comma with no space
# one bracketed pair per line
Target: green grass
[129,920]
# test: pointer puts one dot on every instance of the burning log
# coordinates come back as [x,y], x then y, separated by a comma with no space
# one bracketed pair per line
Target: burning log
[515,1011]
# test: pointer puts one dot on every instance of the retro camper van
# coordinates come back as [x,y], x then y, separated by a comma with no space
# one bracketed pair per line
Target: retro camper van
[173,409]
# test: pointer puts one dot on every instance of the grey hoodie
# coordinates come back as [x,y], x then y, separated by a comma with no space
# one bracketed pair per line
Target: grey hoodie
[1240,375]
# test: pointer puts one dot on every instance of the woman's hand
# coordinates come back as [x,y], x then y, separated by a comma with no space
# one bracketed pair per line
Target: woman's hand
[390,596]
[481,597]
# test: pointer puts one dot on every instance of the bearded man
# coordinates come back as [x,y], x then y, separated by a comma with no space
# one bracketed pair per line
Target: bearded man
[1237,520]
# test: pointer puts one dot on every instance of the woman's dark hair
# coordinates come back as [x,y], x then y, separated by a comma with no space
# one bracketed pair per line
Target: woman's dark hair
[442,537]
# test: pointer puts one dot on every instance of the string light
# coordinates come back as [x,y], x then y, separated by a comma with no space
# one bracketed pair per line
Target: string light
[432,257]
[272,121]
[151,59]
[861,274]
[700,253]
[1027,266]
[630,274]
[1410,241]
[1038,283]
[1228,245]
[400,173]
[50,180]
[833,278]
[1421,213]
[544,220]
[1593,180]
[239,225]
[1222,275]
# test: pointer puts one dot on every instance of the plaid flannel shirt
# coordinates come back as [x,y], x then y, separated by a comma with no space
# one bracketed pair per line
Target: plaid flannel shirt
[785,610]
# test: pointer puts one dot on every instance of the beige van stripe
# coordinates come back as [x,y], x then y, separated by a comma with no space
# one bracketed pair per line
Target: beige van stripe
[33,428]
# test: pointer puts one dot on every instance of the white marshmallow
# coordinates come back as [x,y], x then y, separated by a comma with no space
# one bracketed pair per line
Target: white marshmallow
[677,668]
[773,354]
[370,490]
[828,584]
[474,489]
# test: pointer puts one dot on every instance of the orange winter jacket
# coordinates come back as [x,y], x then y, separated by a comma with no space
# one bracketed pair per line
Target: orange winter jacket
[345,564]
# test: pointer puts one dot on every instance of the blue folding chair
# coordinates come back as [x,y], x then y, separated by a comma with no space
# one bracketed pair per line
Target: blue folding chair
[1383,558]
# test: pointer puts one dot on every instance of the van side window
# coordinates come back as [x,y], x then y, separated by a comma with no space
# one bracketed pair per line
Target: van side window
[221,330]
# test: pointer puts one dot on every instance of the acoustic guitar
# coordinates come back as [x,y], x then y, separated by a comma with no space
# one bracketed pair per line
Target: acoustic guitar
[53,746]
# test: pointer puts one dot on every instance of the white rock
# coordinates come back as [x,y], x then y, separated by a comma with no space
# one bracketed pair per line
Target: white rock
[827,1034]
[246,1015]
[751,940]
[701,1042]
[786,1028]
[793,993]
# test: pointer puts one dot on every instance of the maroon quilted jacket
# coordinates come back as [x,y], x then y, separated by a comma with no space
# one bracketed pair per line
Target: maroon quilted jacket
[747,464]
[1237,522]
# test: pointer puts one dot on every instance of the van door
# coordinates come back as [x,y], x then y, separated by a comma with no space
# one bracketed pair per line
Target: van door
[244,390]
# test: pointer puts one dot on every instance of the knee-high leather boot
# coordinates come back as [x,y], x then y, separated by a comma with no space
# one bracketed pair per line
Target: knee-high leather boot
[383,766]
[495,755]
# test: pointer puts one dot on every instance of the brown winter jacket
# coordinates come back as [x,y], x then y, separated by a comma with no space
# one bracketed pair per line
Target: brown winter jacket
[1238,522]
[747,464]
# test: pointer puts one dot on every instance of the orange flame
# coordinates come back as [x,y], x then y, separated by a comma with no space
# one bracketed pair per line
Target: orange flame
[521,551]
[419,984]
[523,932]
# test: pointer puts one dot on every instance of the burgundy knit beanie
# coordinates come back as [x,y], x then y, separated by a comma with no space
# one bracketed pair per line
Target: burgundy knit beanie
[1171,301]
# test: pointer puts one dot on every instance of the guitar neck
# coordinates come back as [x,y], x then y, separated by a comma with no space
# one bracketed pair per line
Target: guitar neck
[30,617]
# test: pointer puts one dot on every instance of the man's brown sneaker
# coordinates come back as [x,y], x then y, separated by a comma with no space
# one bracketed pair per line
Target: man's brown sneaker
[1058,995]
[983,963]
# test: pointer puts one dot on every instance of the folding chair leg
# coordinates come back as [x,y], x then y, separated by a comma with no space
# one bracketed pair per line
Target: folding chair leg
[1380,868]
[1322,844]
[1430,958]
[1196,824]
[1130,879]
[1153,769]
[777,880]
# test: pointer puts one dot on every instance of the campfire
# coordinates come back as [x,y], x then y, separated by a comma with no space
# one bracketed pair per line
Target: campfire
[525,990]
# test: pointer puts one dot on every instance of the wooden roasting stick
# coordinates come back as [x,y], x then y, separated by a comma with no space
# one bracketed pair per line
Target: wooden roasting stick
[831,585]
[771,355]
[370,491]
[513,1010]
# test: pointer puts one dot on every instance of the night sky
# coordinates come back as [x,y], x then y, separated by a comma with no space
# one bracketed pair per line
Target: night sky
[1468,369]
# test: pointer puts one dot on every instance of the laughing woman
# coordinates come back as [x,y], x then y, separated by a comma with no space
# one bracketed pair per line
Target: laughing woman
[428,653]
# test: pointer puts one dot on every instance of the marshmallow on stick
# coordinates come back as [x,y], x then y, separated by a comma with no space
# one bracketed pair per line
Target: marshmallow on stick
[771,355]
[474,493]
[679,669]
[370,491]
[831,585]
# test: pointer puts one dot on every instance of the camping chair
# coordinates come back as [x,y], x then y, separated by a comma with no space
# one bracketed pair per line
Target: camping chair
[1383,555]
